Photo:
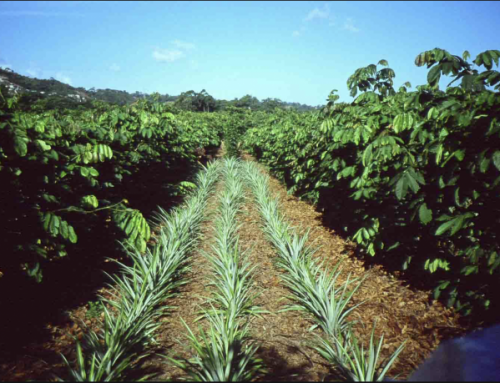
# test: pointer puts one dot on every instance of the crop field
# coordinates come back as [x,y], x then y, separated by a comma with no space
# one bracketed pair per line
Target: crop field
[148,242]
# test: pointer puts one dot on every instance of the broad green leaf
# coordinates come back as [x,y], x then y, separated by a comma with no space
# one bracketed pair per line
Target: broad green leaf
[469,270]
[425,214]
[72,235]
[483,166]
[46,221]
[439,154]
[496,159]
[84,171]
[412,182]
[454,225]
[54,224]
[460,154]
[90,201]
[132,223]
[20,146]
[401,188]
[64,229]
[434,75]
[432,113]
[444,227]
[43,145]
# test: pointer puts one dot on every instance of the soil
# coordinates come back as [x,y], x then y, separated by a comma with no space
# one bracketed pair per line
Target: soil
[401,313]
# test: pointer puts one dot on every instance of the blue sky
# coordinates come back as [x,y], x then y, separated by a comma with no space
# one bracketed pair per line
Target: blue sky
[295,51]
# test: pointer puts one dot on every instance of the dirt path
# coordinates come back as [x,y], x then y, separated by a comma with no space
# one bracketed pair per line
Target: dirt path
[187,304]
[283,336]
[401,314]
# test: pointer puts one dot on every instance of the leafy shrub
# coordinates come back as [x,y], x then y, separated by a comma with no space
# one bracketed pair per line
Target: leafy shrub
[413,175]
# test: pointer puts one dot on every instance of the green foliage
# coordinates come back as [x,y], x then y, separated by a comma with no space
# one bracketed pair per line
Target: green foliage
[196,102]
[354,362]
[226,352]
[62,171]
[410,174]
[134,225]
[236,122]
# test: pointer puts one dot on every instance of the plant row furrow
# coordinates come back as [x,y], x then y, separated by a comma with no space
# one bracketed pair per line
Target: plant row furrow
[317,291]
[139,290]
[225,352]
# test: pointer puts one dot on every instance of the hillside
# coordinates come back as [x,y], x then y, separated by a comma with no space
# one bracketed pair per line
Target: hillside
[58,94]
[16,83]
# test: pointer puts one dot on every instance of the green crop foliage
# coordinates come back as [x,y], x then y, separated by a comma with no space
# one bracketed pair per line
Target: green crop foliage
[236,123]
[409,174]
[63,171]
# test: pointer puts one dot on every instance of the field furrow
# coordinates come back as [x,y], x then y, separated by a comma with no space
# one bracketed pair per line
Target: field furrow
[283,335]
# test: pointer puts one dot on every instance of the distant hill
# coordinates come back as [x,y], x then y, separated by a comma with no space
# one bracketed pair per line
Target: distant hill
[56,94]
[16,83]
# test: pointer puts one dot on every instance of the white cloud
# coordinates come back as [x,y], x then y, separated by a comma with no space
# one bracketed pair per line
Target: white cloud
[5,66]
[60,76]
[348,24]
[165,55]
[183,45]
[171,55]
[115,67]
[318,13]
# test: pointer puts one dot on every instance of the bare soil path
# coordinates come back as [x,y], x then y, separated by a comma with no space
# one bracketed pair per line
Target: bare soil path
[172,336]
[282,335]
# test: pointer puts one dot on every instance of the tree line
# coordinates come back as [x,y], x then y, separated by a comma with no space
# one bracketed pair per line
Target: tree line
[53,94]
